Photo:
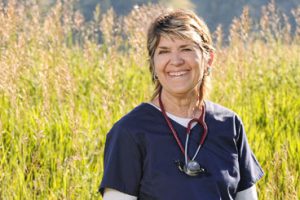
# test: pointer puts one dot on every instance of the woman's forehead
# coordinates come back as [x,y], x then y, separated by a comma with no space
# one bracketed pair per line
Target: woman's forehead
[173,40]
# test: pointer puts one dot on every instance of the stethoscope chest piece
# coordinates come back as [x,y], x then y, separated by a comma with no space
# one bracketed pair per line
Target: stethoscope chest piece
[192,168]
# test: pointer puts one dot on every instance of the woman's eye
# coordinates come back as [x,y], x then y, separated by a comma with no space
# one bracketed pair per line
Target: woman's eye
[163,52]
[187,49]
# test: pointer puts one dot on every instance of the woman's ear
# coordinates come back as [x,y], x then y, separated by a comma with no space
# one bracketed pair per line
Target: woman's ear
[211,58]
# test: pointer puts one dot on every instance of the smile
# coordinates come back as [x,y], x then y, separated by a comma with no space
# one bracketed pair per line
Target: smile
[177,74]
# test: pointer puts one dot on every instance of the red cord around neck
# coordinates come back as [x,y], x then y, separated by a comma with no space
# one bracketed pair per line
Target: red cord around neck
[200,121]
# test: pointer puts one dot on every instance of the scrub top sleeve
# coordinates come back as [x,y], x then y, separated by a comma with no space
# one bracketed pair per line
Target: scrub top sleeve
[122,162]
[250,170]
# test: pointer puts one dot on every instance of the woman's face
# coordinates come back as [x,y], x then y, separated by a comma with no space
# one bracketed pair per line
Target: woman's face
[178,65]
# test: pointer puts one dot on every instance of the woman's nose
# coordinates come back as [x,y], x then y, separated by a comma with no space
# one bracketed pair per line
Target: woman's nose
[176,59]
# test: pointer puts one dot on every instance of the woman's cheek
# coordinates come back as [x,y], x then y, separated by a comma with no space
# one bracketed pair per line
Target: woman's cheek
[160,61]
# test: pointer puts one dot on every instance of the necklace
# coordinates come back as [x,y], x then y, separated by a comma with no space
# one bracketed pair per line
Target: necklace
[191,167]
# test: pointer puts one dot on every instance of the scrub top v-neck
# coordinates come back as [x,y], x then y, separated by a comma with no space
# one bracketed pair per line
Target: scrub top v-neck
[140,154]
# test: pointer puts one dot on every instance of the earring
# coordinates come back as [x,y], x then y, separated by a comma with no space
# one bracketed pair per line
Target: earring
[155,76]
[208,71]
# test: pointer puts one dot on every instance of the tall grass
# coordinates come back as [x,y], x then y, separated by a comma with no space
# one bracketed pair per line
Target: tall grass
[64,82]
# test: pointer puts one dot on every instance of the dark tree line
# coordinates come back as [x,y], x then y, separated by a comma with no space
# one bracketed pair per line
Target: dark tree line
[213,11]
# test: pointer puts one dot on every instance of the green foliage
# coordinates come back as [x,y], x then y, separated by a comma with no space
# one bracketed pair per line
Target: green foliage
[61,91]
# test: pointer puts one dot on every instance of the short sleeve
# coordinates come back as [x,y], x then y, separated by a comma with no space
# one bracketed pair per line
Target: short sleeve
[122,162]
[250,170]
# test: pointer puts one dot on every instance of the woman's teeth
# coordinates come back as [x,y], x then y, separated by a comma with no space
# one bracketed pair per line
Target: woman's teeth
[177,73]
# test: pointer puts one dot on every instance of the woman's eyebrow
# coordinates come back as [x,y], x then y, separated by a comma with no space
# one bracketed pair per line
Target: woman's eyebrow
[186,45]
[181,46]
[163,47]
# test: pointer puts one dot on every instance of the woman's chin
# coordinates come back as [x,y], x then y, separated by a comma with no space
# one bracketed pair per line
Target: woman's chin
[180,91]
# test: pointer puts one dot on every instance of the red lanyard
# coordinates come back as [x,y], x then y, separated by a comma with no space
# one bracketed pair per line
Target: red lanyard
[188,130]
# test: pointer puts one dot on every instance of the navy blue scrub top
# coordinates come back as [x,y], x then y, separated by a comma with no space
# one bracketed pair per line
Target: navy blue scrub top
[140,151]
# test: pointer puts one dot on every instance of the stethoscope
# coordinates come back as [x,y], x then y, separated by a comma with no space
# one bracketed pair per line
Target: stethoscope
[191,167]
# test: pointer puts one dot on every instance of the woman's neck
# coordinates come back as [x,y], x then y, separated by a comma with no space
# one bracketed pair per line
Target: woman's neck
[187,106]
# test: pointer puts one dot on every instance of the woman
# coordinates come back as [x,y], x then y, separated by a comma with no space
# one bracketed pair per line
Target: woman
[178,145]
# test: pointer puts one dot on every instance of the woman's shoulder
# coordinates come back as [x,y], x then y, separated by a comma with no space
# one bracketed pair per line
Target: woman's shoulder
[137,117]
[218,111]
[220,119]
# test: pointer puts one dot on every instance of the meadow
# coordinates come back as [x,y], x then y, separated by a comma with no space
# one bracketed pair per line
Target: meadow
[65,81]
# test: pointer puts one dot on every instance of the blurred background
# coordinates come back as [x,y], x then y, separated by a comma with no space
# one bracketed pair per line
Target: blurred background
[214,12]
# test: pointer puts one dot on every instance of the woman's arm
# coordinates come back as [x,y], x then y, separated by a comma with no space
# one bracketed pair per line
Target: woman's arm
[248,194]
[112,194]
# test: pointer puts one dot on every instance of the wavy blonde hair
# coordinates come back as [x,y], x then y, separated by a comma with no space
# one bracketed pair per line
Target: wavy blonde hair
[180,24]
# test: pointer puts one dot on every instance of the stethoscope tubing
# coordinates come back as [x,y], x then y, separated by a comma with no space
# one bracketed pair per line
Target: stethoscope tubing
[201,121]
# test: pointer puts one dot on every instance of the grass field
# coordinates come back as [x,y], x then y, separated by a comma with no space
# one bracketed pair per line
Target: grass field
[62,88]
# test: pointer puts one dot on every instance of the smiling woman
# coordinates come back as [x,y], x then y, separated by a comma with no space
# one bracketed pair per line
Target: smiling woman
[178,66]
[179,145]
[194,36]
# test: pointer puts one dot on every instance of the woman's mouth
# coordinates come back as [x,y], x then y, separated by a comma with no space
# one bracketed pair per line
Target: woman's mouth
[177,74]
